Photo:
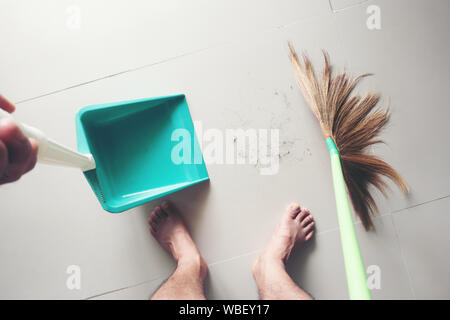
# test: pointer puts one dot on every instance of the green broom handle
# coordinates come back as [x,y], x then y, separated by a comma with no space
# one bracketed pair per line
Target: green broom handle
[354,267]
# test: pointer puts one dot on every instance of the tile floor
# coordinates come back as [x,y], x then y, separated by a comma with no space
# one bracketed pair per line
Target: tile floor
[231,62]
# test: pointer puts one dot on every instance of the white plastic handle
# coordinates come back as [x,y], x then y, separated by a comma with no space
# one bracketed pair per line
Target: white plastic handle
[51,152]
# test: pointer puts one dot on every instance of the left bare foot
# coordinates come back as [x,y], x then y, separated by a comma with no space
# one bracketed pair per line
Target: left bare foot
[168,228]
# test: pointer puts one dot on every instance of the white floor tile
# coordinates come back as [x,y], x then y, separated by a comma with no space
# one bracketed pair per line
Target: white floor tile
[54,44]
[382,257]
[424,239]
[337,5]
[232,279]
[319,267]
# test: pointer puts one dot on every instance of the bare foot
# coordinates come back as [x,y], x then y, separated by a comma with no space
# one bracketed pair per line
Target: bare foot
[168,228]
[269,270]
[295,227]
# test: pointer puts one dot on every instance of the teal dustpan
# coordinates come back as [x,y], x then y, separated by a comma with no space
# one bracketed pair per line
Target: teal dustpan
[129,151]
[132,144]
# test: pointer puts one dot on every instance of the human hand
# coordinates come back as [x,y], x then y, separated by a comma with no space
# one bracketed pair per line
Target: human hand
[18,154]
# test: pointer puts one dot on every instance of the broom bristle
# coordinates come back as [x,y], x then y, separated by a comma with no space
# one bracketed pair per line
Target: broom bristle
[354,123]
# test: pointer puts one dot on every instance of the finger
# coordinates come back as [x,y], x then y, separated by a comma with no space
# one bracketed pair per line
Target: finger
[6,105]
[3,158]
[33,158]
[11,174]
[19,150]
[19,147]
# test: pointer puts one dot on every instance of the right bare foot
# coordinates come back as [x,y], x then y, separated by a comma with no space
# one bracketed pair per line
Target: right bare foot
[168,228]
[295,227]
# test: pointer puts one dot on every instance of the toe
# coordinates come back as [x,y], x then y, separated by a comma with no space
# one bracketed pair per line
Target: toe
[307,220]
[293,210]
[154,216]
[303,214]
[309,235]
[153,226]
[159,214]
[167,207]
[308,228]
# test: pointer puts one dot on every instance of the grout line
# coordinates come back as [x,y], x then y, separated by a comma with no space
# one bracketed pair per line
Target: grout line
[294,22]
[400,211]
[234,258]
[268,30]
[376,216]
[348,7]
[259,250]
[162,277]
[327,231]
[115,74]
[120,289]
[209,265]
[402,256]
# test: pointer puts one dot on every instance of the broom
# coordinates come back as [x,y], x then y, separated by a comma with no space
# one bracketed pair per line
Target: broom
[350,124]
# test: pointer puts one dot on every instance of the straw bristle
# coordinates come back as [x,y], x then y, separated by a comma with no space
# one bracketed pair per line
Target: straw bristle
[354,123]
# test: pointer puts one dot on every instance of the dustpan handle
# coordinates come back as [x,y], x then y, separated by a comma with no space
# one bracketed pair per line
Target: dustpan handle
[51,152]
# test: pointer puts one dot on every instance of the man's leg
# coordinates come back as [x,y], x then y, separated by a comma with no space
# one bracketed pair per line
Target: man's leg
[168,228]
[269,270]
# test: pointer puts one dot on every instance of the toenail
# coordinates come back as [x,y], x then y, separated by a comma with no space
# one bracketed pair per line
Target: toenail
[294,206]
[165,204]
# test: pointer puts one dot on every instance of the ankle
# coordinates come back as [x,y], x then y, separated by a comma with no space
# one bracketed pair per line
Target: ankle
[193,264]
[276,254]
[182,247]
[266,264]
